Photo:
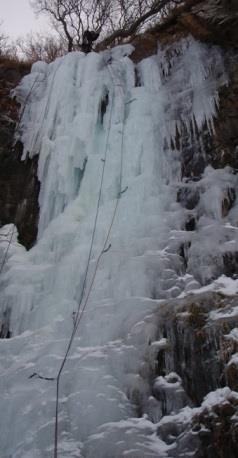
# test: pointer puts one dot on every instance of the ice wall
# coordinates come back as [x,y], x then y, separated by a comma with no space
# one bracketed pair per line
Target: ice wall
[103,141]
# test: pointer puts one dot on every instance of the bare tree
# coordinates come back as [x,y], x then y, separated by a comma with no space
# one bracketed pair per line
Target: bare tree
[8,49]
[71,17]
[133,17]
[115,19]
[38,47]
[3,41]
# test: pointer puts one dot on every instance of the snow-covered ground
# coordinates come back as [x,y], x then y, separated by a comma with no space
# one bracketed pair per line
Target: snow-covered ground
[104,158]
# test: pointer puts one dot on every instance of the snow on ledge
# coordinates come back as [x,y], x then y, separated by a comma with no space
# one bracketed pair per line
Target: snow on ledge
[225,285]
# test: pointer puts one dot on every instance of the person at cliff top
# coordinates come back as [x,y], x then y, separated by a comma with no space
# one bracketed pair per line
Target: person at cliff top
[89,37]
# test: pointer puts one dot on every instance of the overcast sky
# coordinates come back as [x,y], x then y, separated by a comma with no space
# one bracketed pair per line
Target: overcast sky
[19,19]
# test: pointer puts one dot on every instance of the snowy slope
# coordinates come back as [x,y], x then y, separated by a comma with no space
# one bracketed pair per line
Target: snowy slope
[105,158]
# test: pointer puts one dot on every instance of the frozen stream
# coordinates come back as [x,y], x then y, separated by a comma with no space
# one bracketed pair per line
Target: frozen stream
[98,122]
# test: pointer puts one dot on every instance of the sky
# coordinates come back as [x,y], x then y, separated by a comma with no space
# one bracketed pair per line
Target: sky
[18,18]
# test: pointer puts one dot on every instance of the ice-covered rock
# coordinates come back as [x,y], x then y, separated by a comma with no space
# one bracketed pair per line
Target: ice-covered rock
[112,245]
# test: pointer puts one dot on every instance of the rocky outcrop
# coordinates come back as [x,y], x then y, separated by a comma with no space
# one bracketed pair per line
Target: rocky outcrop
[19,186]
[197,343]
[195,372]
[206,432]
[194,368]
[215,145]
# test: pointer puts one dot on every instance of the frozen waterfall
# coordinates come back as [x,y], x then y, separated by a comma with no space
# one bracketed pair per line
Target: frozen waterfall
[103,127]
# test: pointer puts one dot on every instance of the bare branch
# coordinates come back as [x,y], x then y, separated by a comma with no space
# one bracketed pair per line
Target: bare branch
[3,42]
[38,47]
[114,19]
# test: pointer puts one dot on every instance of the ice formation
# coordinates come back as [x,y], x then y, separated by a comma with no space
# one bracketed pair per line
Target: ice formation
[93,129]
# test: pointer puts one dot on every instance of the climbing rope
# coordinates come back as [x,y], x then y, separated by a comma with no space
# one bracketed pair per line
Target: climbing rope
[25,104]
[83,303]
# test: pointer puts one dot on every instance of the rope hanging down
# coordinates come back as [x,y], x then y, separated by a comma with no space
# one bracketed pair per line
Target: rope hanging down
[83,303]
[25,104]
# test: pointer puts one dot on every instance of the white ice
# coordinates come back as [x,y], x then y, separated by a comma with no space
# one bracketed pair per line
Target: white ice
[106,377]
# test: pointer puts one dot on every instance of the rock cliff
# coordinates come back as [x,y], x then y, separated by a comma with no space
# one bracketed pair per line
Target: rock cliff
[191,363]
[19,186]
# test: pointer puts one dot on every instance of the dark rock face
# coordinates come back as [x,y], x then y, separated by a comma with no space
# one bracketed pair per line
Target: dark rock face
[19,186]
[188,197]
[219,148]
[219,434]
[220,18]
[199,345]
[199,349]
[210,433]
[5,332]
[197,352]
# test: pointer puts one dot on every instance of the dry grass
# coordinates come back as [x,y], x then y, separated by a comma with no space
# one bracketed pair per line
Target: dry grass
[14,63]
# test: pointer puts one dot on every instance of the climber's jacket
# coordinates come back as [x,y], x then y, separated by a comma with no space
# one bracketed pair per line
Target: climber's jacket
[88,37]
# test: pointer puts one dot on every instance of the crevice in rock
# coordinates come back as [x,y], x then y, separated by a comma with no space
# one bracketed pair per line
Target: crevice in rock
[188,197]
[137,77]
[5,332]
[190,223]
[103,105]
